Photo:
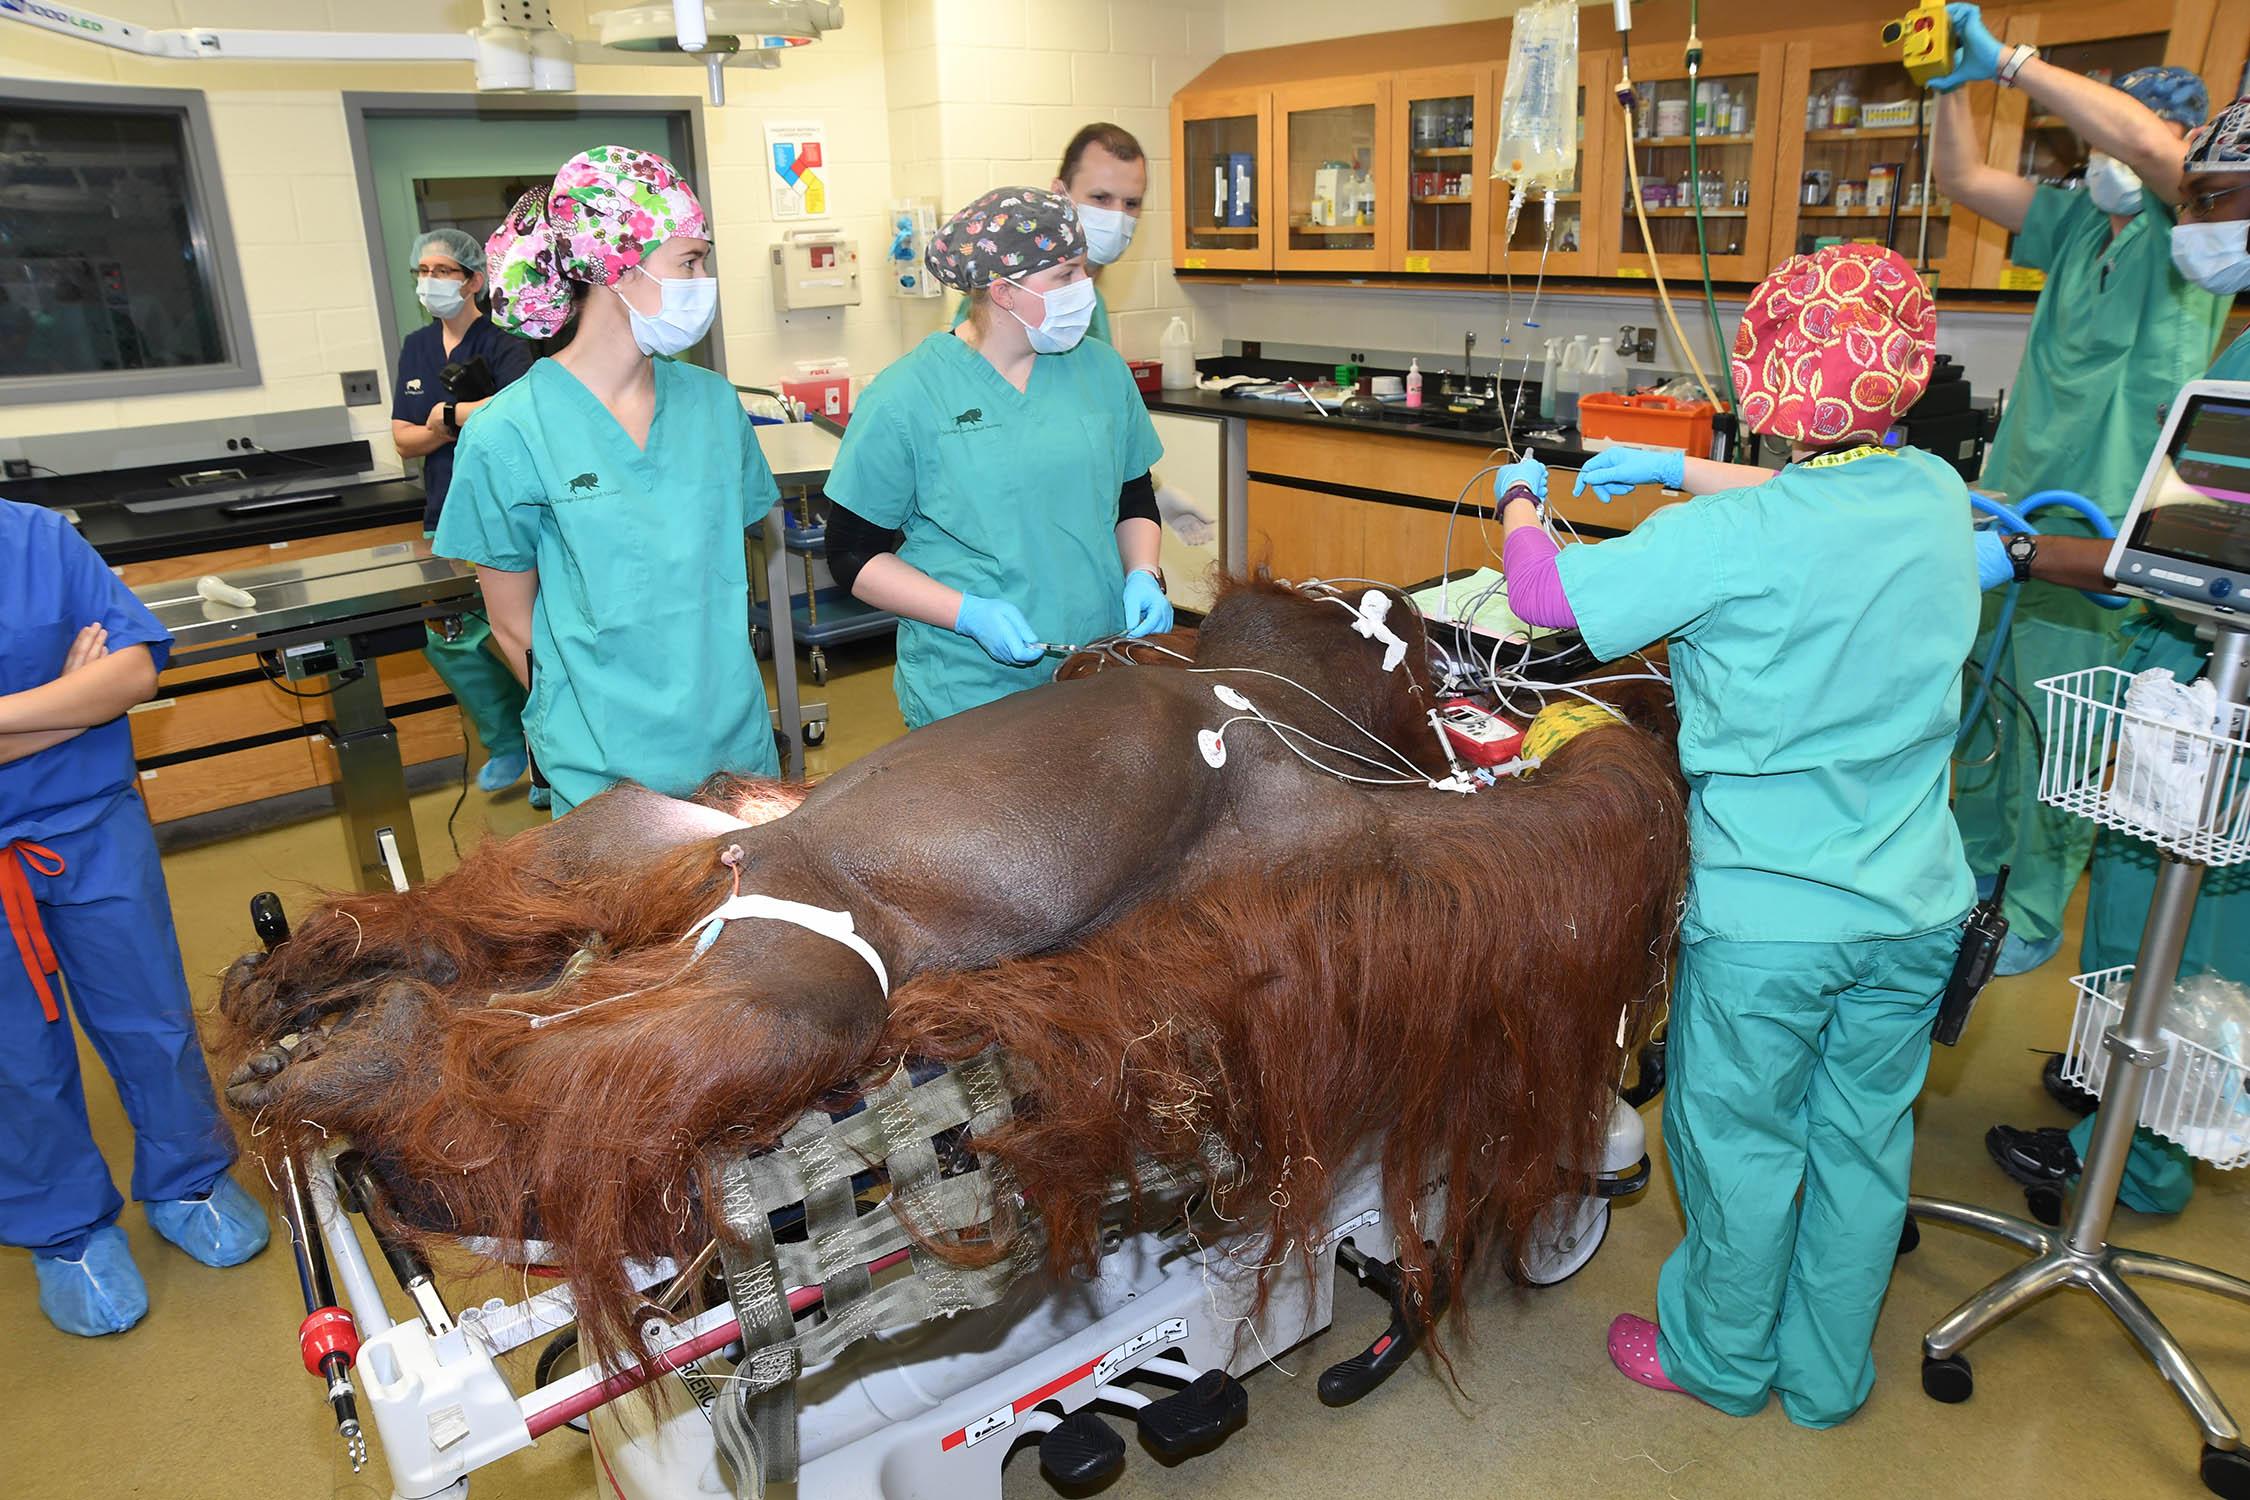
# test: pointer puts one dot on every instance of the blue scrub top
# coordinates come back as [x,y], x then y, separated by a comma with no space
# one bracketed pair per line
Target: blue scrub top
[1818,625]
[421,356]
[52,585]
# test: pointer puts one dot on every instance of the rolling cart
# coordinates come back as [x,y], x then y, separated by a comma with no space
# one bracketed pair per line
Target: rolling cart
[2184,788]
[822,615]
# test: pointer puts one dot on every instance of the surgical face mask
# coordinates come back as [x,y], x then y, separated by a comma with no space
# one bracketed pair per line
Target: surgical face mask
[1069,311]
[2114,187]
[443,298]
[690,303]
[2216,257]
[1108,232]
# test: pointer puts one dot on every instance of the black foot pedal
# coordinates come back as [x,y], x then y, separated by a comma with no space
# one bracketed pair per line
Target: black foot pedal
[1197,1419]
[1081,1451]
[1342,1384]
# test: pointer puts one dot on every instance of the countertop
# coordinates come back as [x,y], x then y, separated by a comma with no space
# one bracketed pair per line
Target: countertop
[124,536]
[1564,452]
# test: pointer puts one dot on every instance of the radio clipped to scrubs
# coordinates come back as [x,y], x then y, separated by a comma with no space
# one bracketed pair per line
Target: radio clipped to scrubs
[1981,937]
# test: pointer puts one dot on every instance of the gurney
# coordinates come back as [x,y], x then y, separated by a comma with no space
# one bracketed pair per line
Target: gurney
[932,1405]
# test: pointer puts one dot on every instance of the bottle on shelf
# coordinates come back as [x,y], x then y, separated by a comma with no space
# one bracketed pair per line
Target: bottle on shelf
[1413,384]
[1846,106]
[1739,124]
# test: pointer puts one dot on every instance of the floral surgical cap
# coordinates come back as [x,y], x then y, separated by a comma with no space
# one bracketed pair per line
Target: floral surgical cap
[1009,232]
[1834,346]
[2224,144]
[2174,94]
[607,209]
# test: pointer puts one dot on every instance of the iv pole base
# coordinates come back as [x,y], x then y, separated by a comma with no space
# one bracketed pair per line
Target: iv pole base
[2055,1265]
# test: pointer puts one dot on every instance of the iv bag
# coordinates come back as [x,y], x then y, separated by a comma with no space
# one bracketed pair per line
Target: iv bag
[1539,107]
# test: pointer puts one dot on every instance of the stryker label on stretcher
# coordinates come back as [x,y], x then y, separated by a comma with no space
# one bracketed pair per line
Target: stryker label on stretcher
[1372,1216]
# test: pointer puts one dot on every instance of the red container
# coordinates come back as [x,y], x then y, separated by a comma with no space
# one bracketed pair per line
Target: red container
[1656,421]
[1148,374]
[827,396]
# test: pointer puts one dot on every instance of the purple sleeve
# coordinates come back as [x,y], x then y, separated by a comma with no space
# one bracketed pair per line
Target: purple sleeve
[1535,590]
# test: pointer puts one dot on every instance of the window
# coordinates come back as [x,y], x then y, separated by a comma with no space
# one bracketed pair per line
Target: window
[117,271]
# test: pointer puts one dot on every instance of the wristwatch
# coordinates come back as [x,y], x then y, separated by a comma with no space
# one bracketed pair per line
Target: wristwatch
[1155,573]
[1520,491]
[2021,548]
[2012,64]
[451,420]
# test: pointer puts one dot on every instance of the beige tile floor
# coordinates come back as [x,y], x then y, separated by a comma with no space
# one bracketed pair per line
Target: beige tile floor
[206,1397]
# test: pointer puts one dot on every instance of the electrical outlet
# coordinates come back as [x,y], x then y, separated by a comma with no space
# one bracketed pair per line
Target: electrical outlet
[18,468]
[362,388]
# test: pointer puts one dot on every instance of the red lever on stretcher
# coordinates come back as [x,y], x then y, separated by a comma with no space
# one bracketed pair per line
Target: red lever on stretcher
[328,1331]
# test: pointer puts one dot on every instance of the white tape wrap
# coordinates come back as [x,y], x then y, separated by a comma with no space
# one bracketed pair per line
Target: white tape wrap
[833,925]
[1374,607]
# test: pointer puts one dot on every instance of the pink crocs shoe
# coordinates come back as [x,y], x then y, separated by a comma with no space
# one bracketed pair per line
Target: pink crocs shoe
[1632,1348]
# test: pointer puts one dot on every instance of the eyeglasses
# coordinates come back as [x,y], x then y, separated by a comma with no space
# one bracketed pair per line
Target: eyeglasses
[2201,205]
[442,273]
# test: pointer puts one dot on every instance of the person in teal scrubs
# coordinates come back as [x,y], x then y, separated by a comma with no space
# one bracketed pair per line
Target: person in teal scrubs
[604,496]
[426,420]
[2116,329]
[2211,246]
[1104,173]
[993,487]
[1818,622]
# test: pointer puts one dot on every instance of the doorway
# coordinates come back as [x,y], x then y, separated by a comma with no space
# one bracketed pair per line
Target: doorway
[430,160]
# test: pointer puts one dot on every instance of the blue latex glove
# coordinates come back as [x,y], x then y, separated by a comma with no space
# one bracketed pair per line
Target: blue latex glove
[999,627]
[1528,471]
[1147,611]
[225,1227]
[1613,471]
[1993,565]
[99,1292]
[1976,51]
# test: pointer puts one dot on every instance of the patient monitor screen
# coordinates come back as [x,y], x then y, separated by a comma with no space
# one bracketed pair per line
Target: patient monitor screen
[2197,505]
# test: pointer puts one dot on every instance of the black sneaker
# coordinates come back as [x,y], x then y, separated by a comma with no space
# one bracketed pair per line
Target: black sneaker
[2035,1158]
[2065,1093]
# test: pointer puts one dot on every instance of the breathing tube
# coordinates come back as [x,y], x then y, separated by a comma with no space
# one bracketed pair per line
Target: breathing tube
[2018,519]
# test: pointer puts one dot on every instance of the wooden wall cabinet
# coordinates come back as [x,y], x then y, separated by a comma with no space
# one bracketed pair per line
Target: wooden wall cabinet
[1333,208]
[1439,169]
[1576,246]
[1740,150]
[1222,211]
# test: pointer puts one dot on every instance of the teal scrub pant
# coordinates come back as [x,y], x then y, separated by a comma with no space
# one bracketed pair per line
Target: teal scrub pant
[1787,1119]
[481,683]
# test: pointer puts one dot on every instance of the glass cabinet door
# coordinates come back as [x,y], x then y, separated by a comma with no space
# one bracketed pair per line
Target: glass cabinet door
[1441,156]
[1532,243]
[1862,176]
[1330,142]
[1723,110]
[1220,194]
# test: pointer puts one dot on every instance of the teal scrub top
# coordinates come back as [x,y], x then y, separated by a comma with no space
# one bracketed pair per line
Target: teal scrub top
[1818,623]
[1098,329]
[1005,493]
[641,660]
[2233,363]
[2116,330]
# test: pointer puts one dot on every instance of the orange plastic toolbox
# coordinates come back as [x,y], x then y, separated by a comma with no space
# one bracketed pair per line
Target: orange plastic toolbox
[1658,421]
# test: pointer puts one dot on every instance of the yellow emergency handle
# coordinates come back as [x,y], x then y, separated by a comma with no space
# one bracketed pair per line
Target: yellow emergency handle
[1925,38]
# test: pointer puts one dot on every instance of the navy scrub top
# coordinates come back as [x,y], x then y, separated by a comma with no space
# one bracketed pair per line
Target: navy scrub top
[421,356]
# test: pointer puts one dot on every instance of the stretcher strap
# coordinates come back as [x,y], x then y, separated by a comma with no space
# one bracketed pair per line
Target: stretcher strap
[756,1419]
[22,911]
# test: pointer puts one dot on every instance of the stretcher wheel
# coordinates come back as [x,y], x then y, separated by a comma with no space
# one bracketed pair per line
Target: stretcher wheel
[1649,1081]
[1564,1239]
[1909,1236]
[1949,1380]
[819,662]
[816,730]
[2226,1472]
[761,643]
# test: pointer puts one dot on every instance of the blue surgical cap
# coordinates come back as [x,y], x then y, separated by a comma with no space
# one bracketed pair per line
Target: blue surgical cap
[2174,94]
[458,244]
